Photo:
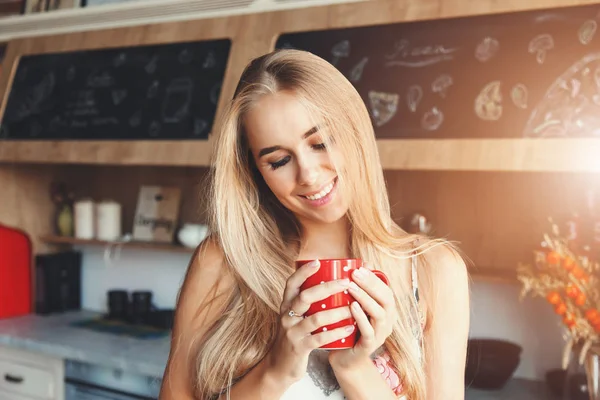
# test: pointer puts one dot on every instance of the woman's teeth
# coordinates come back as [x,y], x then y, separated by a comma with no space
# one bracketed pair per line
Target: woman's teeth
[322,193]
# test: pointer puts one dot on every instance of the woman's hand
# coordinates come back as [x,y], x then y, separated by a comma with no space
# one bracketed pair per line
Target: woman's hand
[288,358]
[375,313]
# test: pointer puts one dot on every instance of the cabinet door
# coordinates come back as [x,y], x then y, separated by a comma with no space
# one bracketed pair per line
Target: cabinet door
[12,396]
[30,375]
[27,380]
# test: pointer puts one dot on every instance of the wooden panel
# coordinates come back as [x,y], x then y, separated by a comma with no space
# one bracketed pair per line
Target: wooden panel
[108,152]
[26,202]
[550,155]
[252,35]
[497,218]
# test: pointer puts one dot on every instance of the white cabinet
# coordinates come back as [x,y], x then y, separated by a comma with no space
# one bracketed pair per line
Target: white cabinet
[30,376]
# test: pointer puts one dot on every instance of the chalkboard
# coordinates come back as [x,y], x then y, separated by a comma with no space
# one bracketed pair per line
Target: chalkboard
[528,74]
[156,92]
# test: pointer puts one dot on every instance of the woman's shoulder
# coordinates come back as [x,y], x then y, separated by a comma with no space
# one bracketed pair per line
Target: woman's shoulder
[442,276]
[206,270]
[437,251]
[438,262]
[209,255]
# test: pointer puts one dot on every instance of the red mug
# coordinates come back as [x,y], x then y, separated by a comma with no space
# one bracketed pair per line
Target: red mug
[330,270]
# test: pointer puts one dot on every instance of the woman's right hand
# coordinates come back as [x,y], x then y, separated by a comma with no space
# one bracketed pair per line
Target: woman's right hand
[288,358]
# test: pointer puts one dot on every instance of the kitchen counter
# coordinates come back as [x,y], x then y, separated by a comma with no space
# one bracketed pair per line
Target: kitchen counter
[515,389]
[52,335]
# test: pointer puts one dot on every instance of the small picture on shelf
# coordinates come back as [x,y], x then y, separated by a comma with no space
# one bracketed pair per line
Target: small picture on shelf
[156,214]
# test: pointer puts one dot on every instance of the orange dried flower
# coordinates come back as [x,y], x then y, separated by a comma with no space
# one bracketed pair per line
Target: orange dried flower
[568,264]
[553,298]
[553,257]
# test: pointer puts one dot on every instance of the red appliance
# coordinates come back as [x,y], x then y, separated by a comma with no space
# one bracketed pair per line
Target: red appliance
[15,272]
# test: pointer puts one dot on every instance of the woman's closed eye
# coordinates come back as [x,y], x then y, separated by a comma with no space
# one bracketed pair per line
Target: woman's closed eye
[324,144]
[280,163]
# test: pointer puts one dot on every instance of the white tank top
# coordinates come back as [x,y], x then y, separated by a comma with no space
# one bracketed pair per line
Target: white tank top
[318,383]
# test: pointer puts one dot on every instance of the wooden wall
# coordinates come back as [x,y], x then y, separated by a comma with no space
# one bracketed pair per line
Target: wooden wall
[24,199]
[496,217]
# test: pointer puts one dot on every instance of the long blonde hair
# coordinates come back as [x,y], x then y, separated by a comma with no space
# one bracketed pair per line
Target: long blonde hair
[259,237]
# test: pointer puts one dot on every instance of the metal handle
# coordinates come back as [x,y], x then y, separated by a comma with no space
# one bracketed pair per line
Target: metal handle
[13,379]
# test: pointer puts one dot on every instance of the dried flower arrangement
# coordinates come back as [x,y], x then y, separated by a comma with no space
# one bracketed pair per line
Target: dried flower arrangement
[568,277]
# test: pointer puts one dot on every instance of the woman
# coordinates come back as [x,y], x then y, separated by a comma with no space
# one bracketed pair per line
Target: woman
[297,176]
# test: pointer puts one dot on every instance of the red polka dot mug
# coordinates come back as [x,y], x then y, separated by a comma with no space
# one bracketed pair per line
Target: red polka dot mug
[333,269]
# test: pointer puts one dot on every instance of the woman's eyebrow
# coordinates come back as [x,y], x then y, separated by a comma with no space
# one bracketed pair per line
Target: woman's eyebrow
[268,150]
[311,131]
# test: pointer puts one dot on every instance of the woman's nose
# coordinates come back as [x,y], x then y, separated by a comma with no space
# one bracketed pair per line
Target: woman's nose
[308,173]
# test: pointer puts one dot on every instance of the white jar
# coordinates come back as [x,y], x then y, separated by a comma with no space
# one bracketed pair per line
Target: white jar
[108,220]
[84,219]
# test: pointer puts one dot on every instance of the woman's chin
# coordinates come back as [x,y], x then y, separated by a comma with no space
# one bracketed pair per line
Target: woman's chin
[330,216]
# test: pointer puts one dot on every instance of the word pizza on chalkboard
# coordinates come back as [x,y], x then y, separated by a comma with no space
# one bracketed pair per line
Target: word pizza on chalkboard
[529,74]
[167,91]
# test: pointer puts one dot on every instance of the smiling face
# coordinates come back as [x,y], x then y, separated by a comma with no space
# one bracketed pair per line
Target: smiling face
[290,152]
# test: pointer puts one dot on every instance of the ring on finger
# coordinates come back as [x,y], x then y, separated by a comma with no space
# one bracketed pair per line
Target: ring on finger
[293,313]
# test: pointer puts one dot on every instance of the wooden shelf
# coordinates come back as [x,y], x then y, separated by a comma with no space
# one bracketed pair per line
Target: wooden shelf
[516,155]
[109,152]
[491,275]
[487,275]
[522,155]
[62,240]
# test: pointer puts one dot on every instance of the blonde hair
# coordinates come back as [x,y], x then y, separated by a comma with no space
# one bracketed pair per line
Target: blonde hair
[259,237]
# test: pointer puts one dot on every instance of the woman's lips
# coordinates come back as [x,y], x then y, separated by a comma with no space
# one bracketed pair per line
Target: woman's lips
[323,197]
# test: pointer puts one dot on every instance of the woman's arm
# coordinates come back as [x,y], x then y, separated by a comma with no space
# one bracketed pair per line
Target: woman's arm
[375,313]
[364,382]
[206,280]
[446,301]
[446,297]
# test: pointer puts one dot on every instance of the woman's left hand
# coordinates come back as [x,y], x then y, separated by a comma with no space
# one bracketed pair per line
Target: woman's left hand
[375,313]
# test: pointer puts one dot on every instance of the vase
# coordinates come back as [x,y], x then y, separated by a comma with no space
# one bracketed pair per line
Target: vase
[581,380]
[592,372]
[64,220]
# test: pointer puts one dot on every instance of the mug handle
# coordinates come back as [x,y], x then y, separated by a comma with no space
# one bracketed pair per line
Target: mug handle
[381,276]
